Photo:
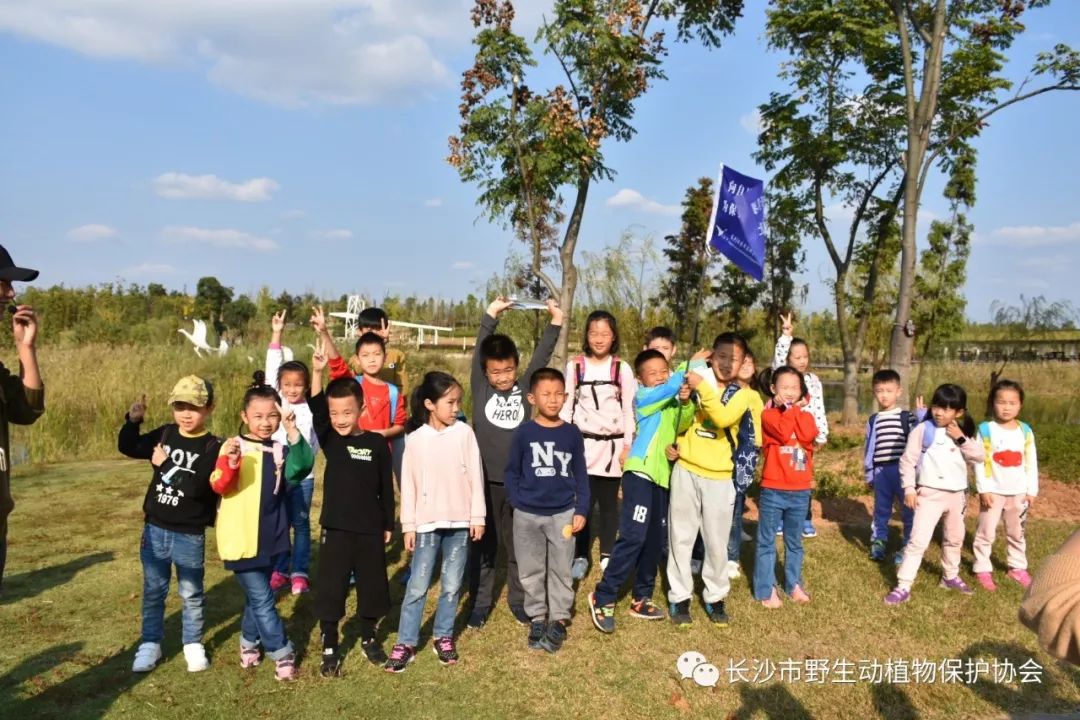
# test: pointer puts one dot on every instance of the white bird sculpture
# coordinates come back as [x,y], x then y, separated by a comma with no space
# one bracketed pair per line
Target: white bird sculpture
[197,336]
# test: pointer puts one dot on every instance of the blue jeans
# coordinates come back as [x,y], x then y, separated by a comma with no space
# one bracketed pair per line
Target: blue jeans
[779,508]
[261,622]
[298,507]
[734,545]
[642,528]
[887,492]
[455,552]
[159,550]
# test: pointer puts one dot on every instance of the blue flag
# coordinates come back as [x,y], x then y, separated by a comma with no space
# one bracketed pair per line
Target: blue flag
[737,225]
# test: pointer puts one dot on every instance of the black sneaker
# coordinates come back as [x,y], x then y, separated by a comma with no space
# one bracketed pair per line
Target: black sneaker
[680,613]
[554,637]
[537,630]
[331,663]
[400,657]
[373,650]
[477,618]
[717,613]
[519,614]
[446,650]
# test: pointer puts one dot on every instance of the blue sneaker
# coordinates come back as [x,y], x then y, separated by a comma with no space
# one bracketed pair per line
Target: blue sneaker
[808,530]
[877,550]
[898,557]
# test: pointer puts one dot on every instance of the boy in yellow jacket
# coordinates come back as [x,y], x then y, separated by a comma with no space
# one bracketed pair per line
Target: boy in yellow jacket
[702,491]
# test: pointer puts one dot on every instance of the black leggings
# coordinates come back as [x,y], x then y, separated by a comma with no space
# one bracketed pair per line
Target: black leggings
[605,494]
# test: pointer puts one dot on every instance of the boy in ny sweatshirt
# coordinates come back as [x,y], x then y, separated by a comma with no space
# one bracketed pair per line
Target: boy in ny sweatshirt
[357,516]
[547,481]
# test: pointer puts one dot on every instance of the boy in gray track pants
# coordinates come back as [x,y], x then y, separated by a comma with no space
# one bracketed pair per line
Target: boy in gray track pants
[547,483]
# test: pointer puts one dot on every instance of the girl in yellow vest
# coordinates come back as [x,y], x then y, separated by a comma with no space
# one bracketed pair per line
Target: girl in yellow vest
[251,476]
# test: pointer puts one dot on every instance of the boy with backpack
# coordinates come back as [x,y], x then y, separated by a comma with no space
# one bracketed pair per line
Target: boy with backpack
[887,433]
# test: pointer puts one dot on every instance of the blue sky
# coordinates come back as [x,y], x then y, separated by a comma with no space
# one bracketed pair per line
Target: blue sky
[300,144]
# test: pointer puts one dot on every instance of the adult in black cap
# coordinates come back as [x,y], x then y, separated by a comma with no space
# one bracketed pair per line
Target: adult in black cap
[22,397]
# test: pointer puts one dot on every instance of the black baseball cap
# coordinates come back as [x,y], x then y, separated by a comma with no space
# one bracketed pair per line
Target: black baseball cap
[9,271]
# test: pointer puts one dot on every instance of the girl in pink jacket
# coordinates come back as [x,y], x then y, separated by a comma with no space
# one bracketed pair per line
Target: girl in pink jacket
[442,507]
[600,401]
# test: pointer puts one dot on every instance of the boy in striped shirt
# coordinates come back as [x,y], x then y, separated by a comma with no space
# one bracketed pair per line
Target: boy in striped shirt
[886,437]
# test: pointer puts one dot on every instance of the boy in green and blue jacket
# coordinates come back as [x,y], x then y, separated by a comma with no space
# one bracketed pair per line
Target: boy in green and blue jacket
[663,411]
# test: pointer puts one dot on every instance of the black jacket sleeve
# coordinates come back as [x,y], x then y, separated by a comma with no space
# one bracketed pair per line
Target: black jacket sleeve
[386,485]
[320,417]
[22,405]
[134,445]
[542,355]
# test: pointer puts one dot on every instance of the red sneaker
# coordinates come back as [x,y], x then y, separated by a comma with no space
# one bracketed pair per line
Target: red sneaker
[278,581]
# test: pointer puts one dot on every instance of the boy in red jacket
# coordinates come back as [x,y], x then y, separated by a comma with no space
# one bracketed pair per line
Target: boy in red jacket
[789,430]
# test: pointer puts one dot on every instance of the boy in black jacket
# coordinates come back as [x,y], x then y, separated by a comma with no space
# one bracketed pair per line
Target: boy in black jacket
[178,507]
[357,515]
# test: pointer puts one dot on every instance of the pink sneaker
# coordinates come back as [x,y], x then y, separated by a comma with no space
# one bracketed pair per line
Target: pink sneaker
[285,668]
[299,585]
[249,657]
[1021,576]
[986,580]
[278,581]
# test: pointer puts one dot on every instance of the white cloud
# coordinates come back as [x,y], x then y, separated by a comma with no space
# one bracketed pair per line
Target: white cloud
[338,234]
[633,199]
[1036,235]
[292,214]
[433,202]
[179,186]
[751,122]
[148,268]
[220,238]
[91,233]
[286,52]
[462,265]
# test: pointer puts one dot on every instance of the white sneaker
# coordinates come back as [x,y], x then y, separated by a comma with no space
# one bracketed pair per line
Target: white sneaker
[146,657]
[695,567]
[733,570]
[579,569]
[603,563]
[746,537]
[195,654]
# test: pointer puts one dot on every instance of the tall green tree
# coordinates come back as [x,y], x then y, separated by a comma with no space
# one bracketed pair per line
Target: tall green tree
[939,284]
[952,54]
[211,297]
[525,148]
[784,257]
[832,140]
[682,289]
[736,293]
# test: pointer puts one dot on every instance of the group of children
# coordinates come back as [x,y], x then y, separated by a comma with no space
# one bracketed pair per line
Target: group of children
[545,448]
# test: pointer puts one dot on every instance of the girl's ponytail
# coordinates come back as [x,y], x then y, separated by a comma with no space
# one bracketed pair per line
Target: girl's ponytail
[259,389]
[953,397]
[435,385]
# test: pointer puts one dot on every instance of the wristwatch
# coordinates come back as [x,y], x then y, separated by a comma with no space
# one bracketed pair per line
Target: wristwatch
[960,440]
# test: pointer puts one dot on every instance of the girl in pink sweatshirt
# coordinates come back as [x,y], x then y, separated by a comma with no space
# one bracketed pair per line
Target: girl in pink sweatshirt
[442,507]
[934,474]
[600,401]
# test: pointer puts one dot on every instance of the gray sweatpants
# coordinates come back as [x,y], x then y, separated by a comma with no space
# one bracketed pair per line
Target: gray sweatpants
[698,504]
[544,548]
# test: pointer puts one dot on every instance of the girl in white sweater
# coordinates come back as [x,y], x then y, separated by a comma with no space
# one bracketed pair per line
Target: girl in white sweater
[1007,481]
[934,475]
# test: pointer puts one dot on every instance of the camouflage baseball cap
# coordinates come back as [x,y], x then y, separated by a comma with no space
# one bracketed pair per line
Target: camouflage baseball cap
[192,390]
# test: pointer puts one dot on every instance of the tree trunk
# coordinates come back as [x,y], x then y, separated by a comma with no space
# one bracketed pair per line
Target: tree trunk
[850,411]
[901,345]
[569,270]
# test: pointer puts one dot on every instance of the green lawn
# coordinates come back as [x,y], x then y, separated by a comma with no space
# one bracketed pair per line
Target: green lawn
[69,619]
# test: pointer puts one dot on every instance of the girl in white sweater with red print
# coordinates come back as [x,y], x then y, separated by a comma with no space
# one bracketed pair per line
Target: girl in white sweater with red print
[934,474]
[1007,481]
[442,508]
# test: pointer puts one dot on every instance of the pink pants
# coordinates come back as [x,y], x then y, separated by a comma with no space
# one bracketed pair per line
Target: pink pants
[1014,510]
[932,505]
